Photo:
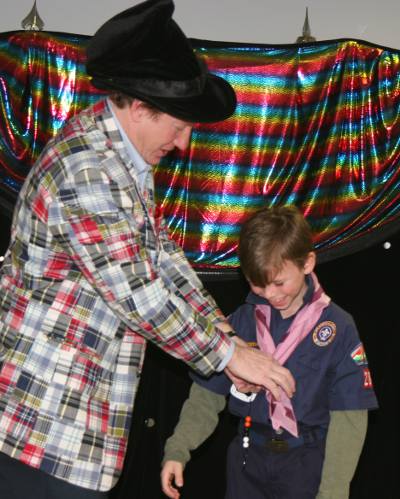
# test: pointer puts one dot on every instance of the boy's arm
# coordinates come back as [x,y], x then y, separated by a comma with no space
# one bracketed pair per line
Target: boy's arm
[198,419]
[345,439]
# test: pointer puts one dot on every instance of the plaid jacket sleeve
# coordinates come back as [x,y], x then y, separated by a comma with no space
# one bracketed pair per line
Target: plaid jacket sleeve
[88,211]
[184,281]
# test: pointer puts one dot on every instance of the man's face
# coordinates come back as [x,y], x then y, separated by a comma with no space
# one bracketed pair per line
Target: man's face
[286,290]
[155,135]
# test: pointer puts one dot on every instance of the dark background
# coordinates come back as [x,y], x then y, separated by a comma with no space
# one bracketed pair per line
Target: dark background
[365,283]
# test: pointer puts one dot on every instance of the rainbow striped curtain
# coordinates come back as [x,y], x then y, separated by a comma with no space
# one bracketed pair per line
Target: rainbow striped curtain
[317,125]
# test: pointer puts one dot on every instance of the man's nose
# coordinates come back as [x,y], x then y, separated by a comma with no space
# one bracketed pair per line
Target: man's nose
[183,138]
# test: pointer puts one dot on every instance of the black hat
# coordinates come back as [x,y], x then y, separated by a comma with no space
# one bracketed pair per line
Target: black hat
[143,53]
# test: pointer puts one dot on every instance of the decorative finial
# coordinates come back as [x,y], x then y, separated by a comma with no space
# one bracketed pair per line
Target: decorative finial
[306,36]
[33,21]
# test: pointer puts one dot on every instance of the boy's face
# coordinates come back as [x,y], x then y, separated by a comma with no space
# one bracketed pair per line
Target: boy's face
[286,290]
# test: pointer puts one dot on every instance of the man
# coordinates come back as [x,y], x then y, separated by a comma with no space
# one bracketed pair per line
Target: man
[91,274]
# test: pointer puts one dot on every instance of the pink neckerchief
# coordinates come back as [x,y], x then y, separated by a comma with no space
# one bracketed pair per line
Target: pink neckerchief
[281,411]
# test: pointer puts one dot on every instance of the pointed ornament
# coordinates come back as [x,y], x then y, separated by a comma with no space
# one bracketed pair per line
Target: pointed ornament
[306,36]
[33,22]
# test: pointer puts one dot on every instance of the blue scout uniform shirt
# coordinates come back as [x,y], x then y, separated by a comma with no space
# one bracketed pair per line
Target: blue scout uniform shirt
[329,365]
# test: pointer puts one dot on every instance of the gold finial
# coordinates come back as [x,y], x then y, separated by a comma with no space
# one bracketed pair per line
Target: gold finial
[306,36]
[33,21]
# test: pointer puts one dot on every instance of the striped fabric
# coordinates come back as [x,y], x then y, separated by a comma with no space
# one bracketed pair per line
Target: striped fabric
[89,277]
[317,125]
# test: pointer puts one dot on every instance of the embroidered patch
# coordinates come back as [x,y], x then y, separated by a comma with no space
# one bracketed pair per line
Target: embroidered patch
[367,378]
[358,355]
[324,333]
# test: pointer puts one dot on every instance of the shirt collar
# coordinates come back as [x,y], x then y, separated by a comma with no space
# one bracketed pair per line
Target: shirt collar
[139,164]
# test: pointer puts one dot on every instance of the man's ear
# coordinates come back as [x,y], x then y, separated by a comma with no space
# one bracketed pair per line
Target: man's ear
[310,262]
[136,110]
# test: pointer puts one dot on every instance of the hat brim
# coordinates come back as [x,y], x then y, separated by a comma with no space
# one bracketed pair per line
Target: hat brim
[217,102]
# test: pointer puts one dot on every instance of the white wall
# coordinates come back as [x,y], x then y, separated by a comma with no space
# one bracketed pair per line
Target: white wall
[258,21]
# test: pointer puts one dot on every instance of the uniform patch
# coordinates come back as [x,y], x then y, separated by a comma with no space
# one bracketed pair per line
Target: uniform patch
[358,355]
[324,333]
[367,378]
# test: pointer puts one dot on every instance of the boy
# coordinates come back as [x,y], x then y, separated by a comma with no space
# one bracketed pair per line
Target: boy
[295,448]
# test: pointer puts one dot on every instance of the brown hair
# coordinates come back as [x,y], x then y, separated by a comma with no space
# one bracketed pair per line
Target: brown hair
[122,100]
[269,238]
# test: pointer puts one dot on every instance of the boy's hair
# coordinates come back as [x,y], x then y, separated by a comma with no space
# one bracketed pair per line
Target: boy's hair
[269,238]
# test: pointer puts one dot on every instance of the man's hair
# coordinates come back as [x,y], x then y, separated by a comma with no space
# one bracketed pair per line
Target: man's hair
[122,100]
[269,238]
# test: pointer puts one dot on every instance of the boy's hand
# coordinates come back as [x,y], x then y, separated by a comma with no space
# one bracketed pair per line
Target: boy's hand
[261,369]
[172,473]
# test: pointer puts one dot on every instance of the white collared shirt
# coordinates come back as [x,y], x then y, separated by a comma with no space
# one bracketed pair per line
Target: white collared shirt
[141,168]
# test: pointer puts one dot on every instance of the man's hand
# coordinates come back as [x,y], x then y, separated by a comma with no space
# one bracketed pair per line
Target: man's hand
[172,473]
[249,366]
[242,385]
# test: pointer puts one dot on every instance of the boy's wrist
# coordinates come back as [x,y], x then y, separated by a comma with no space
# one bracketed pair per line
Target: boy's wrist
[175,454]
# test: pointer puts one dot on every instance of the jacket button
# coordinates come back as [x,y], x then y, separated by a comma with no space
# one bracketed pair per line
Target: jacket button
[149,422]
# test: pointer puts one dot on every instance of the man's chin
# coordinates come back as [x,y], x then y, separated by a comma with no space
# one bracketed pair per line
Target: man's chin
[158,157]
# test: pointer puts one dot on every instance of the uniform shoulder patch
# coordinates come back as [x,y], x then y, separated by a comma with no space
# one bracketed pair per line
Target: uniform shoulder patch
[358,355]
[324,333]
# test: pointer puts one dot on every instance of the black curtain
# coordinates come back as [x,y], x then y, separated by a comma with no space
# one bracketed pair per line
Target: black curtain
[365,284]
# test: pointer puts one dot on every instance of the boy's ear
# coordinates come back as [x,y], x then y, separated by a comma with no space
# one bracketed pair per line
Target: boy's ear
[310,262]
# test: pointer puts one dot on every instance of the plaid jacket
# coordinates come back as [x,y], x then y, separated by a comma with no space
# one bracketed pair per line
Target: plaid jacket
[90,275]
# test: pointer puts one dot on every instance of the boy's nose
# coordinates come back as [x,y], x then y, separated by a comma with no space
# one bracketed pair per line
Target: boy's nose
[268,292]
